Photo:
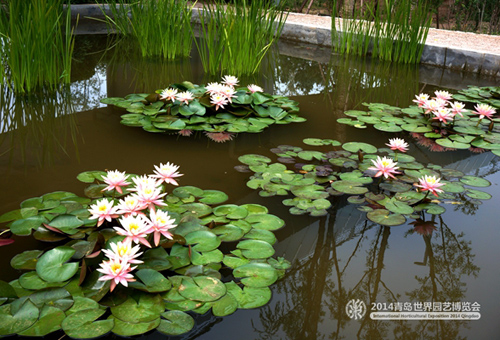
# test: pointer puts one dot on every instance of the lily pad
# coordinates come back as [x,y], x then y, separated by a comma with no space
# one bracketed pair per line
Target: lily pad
[175,323]
[256,275]
[475,181]
[384,217]
[202,288]
[354,147]
[51,266]
[255,249]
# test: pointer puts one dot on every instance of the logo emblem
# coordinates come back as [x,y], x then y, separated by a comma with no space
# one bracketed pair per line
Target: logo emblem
[355,309]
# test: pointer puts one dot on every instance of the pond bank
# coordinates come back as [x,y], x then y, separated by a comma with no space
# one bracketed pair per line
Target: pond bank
[457,51]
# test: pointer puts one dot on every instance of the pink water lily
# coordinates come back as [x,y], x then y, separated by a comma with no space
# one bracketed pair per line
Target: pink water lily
[230,81]
[430,183]
[130,205]
[457,108]
[213,88]
[159,224]
[443,115]
[432,105]
[166,173]
[103,210]
[443,95]
[117,271]
[169,94]
[115,180]
[151,196]
[123,251]
[134,228]
[144,182]
[398,144]
[385,166]
[254,88]
[185,97]
[421,99]
[218,100]
[228,92]
[484,110]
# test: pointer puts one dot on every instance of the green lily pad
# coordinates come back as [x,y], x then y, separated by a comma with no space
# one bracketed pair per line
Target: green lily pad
[228,232]
[447,143]
[349,187]
[398,207]
[354,147]
[124,328]
[431,208]
[263,221]
[20,320]
[203,240]
[66,223]
[175,323]
[202,288]
[255,249]
[49,321]
[26,260]
[231,211]
[213,197]
[24,226]
[477,194]
[261,234]
[475,181]
[252,159]
[226,305]
[256,275]
[151,281]
[395,186]
[249,297]
[453,187]
[147,309]
[18,214]
[388,127]
[51,266]
[384,217]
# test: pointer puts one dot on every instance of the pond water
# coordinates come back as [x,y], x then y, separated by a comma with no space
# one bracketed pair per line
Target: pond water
[46,141]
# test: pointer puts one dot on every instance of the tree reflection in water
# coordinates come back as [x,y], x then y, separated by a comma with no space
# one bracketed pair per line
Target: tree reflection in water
[310,303]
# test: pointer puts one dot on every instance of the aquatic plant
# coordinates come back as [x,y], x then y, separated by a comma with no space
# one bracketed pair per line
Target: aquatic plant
[487,95]
[236,37]
[162,261]
[37,44]
[161,28]
[394,31]
[213,108]
[437,119]
[401,190]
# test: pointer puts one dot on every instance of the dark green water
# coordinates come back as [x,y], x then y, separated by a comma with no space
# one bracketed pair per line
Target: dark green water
[45,141]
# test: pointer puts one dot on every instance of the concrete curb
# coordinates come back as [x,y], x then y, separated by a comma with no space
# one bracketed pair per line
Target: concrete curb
[487,64]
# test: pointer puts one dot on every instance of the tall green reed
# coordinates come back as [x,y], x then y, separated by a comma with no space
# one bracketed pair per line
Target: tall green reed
[394,31]
[161,27]
[235,38]
[37,44]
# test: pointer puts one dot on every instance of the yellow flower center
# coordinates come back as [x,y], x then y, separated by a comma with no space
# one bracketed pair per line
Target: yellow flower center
[116,267]
[102,208]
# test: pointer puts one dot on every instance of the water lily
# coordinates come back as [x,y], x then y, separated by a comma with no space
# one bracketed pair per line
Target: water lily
[213,88]
[484,110]
[169,94]
[230,81]
[443,115]
[432,105]
[228,92]
[421,99]
[143,182]
[115,180]
[151,196]
[130,205]
[134,228]
[166,173]
[443,95]
[103,210]
[117,271]
[457,108]
[385,166]
[184,97]
[160,223]
[218,100]
[123,251]
[398,144]
[431,184]
[254,88]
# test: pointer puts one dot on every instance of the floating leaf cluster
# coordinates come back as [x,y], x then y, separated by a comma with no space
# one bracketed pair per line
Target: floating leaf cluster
[313,177]
[246,111]
[474,94]
[61,288]
[449,131]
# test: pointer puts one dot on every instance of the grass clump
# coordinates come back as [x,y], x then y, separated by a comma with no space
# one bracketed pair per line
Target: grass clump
[162,28]
[391,31]
[235,38]
[36,43]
